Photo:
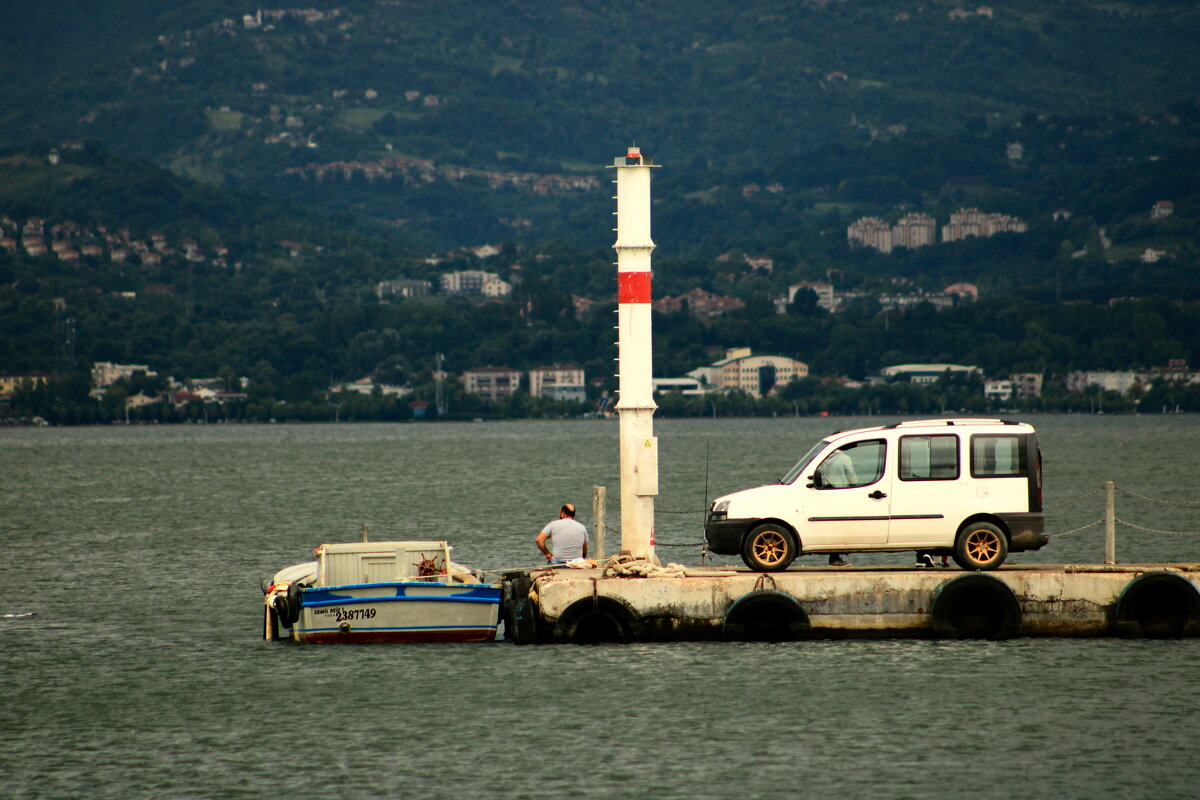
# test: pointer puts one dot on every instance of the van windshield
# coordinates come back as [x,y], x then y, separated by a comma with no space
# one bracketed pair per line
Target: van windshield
[795,471]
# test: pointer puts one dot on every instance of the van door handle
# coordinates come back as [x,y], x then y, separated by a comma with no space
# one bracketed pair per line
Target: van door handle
[877,495]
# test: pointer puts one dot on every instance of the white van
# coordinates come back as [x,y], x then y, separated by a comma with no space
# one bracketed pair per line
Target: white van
[968,487]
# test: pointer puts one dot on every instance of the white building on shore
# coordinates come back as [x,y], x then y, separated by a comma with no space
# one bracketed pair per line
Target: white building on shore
[755,375]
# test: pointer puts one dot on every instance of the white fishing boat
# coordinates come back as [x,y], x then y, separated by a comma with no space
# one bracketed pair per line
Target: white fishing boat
[380,592]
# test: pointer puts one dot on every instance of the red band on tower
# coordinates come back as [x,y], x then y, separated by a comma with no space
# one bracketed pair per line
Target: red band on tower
[633,287]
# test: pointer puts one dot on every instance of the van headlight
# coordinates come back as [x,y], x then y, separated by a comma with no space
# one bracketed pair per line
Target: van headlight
[719,510]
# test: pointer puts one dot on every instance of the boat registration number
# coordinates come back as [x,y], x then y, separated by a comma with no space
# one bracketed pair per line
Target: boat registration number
[343,614]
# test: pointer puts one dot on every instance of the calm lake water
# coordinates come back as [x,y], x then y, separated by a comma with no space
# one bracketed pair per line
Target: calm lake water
[143,674]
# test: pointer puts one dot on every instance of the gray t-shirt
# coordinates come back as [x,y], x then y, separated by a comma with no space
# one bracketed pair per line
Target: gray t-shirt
[838,470]
[566,538]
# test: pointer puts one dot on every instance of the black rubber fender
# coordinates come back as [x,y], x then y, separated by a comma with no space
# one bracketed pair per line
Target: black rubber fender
[517,610]
[293,604]
[765,615]
[282,612]
[598,620]
[976,606]
[1158,605]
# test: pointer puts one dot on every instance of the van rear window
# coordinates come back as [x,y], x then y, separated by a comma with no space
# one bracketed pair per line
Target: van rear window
[929,458]
[994,456]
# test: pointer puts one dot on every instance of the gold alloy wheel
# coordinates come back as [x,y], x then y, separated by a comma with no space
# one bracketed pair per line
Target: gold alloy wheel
[982,545]
[769,547]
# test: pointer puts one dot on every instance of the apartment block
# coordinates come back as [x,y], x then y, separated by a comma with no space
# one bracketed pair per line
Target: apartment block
[914,230]
[871,232]
[492,383]
[558,382]
[973,222]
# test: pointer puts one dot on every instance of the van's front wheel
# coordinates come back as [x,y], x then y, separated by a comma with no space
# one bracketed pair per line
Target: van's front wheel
[980,546]
[769,548]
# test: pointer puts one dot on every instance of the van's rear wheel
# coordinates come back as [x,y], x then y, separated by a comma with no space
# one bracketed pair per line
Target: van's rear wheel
[980,546]
[769,548]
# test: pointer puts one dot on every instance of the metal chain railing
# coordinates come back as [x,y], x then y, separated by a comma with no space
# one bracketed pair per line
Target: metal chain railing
[1110,520]
[1091,524]
[1155,530]
[1073,500]
[617,501]
[1157,500]
[617,532]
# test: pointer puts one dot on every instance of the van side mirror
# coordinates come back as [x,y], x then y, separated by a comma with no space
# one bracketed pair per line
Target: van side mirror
[816,480]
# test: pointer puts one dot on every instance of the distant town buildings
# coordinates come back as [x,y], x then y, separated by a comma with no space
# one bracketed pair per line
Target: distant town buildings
[973,222]
[423,170]
[558,382]
[911,230]
[998,390]
[1132,381]
[368,386]
[755,375]
[106,373]
[962,13]
[914,230]
[918,230]
[871,232]
[921,373]
[493,384]
[1162,209]
[700,303]
[834,301]
[1028,384]
[10,383]
[473,281]
[823,291]
[684,386]
[72,242]
[403,288]
[763,264]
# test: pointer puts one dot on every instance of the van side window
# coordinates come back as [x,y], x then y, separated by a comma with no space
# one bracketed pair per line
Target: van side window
[995,456]
[929,458]
[856,464]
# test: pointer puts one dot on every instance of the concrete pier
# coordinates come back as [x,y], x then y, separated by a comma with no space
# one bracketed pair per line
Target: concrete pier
[599,605]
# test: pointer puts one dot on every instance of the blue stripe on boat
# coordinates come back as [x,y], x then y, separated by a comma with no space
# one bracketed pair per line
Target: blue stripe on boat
[332,595]
[350,601]
[361,629]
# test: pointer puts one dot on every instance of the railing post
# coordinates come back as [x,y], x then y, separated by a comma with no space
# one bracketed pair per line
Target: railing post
[1110,523]
[599,500]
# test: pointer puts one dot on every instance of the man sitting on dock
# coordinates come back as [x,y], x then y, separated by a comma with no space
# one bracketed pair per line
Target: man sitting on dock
[567,536]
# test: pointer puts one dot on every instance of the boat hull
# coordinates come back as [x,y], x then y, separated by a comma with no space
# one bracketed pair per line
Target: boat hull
[407,611]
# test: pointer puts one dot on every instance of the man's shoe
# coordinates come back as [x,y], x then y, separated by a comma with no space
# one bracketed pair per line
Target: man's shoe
[840,562]
[924,561]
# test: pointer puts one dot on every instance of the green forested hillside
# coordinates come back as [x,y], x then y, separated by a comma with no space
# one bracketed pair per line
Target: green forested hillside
[308,153]
[719,91]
